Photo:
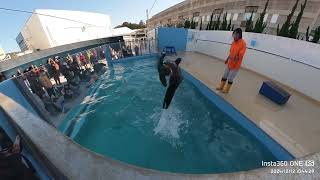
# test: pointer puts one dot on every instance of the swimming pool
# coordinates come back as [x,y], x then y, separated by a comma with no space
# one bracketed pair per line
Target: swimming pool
[124,120]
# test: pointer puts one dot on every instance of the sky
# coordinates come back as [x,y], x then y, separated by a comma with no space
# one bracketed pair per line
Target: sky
[119,10]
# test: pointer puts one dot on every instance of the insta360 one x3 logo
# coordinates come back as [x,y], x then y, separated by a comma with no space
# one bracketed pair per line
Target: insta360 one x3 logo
[309,163]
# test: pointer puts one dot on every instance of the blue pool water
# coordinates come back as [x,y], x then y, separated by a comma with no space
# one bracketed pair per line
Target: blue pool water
[125,121]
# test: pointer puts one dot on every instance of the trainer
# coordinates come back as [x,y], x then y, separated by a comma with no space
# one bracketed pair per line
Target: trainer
[234,61]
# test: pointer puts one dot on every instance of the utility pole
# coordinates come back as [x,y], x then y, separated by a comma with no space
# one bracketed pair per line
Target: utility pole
[147,11]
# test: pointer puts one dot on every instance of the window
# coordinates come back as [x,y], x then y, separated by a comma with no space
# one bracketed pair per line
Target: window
[235,17]
[216,16]
[218,11]
[208,18]
[196,14]
[247,16]
[228,17]
[195,19]
[251,9]
[265,18]
[274,18]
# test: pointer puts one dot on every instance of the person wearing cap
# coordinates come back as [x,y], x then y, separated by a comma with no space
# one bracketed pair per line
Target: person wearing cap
[234,61]
[174,81]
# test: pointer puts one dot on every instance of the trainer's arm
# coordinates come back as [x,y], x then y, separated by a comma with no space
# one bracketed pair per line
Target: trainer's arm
[226,61]
[241,53]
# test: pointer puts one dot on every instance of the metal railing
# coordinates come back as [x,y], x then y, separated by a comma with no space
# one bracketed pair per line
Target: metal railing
[48,96]
[266,52]
[131,48]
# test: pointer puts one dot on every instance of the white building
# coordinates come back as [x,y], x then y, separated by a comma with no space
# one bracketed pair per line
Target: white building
[122,31]
[50,28]
[2,54]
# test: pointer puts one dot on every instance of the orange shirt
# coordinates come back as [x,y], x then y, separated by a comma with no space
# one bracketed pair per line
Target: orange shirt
[238,48]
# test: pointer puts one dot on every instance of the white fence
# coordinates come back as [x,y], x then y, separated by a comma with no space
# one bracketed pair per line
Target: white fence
[292,62]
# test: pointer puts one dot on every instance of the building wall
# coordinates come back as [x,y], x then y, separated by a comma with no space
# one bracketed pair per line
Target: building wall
[292,62]
[60,27]
[32,36]
[2,54]
[281,8]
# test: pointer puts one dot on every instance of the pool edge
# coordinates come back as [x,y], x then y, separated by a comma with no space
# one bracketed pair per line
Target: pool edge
[273,146]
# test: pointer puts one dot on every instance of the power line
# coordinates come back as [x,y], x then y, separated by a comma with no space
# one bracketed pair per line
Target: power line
[155,1]
[29,12]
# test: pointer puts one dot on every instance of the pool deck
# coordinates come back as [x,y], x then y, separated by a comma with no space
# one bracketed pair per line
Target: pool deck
[296,125]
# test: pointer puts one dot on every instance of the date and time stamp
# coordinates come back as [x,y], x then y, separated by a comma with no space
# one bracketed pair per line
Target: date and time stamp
[290,167]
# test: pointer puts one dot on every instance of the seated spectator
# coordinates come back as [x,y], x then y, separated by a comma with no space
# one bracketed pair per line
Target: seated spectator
[75,68]
[5,141]
[99,68]
[50,106]
[85,75]
[67,73]
[11,164]
[67,91]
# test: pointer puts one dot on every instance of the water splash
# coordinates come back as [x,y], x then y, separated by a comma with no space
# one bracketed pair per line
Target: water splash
[93,99]
[170,126]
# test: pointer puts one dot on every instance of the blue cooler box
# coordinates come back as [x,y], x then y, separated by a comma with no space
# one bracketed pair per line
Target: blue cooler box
[274,93]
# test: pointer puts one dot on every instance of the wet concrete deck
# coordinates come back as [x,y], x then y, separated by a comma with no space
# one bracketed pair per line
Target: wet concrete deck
[296,126]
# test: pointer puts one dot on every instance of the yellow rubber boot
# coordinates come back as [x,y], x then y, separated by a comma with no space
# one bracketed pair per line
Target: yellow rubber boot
[227,88]
[221,86]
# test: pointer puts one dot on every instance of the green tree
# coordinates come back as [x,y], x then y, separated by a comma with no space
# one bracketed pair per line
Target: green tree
[200,28]
[229,25]
[249,24]
[284,31]
[316,35]
[193,24]
[224,23]
[209,25]
[217,23]
[132,25]
[232,28]
[308,33]
[187,24]
[260,25]
[295,27]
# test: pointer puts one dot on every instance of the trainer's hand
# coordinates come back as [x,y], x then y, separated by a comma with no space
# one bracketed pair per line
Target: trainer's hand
[226,61]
